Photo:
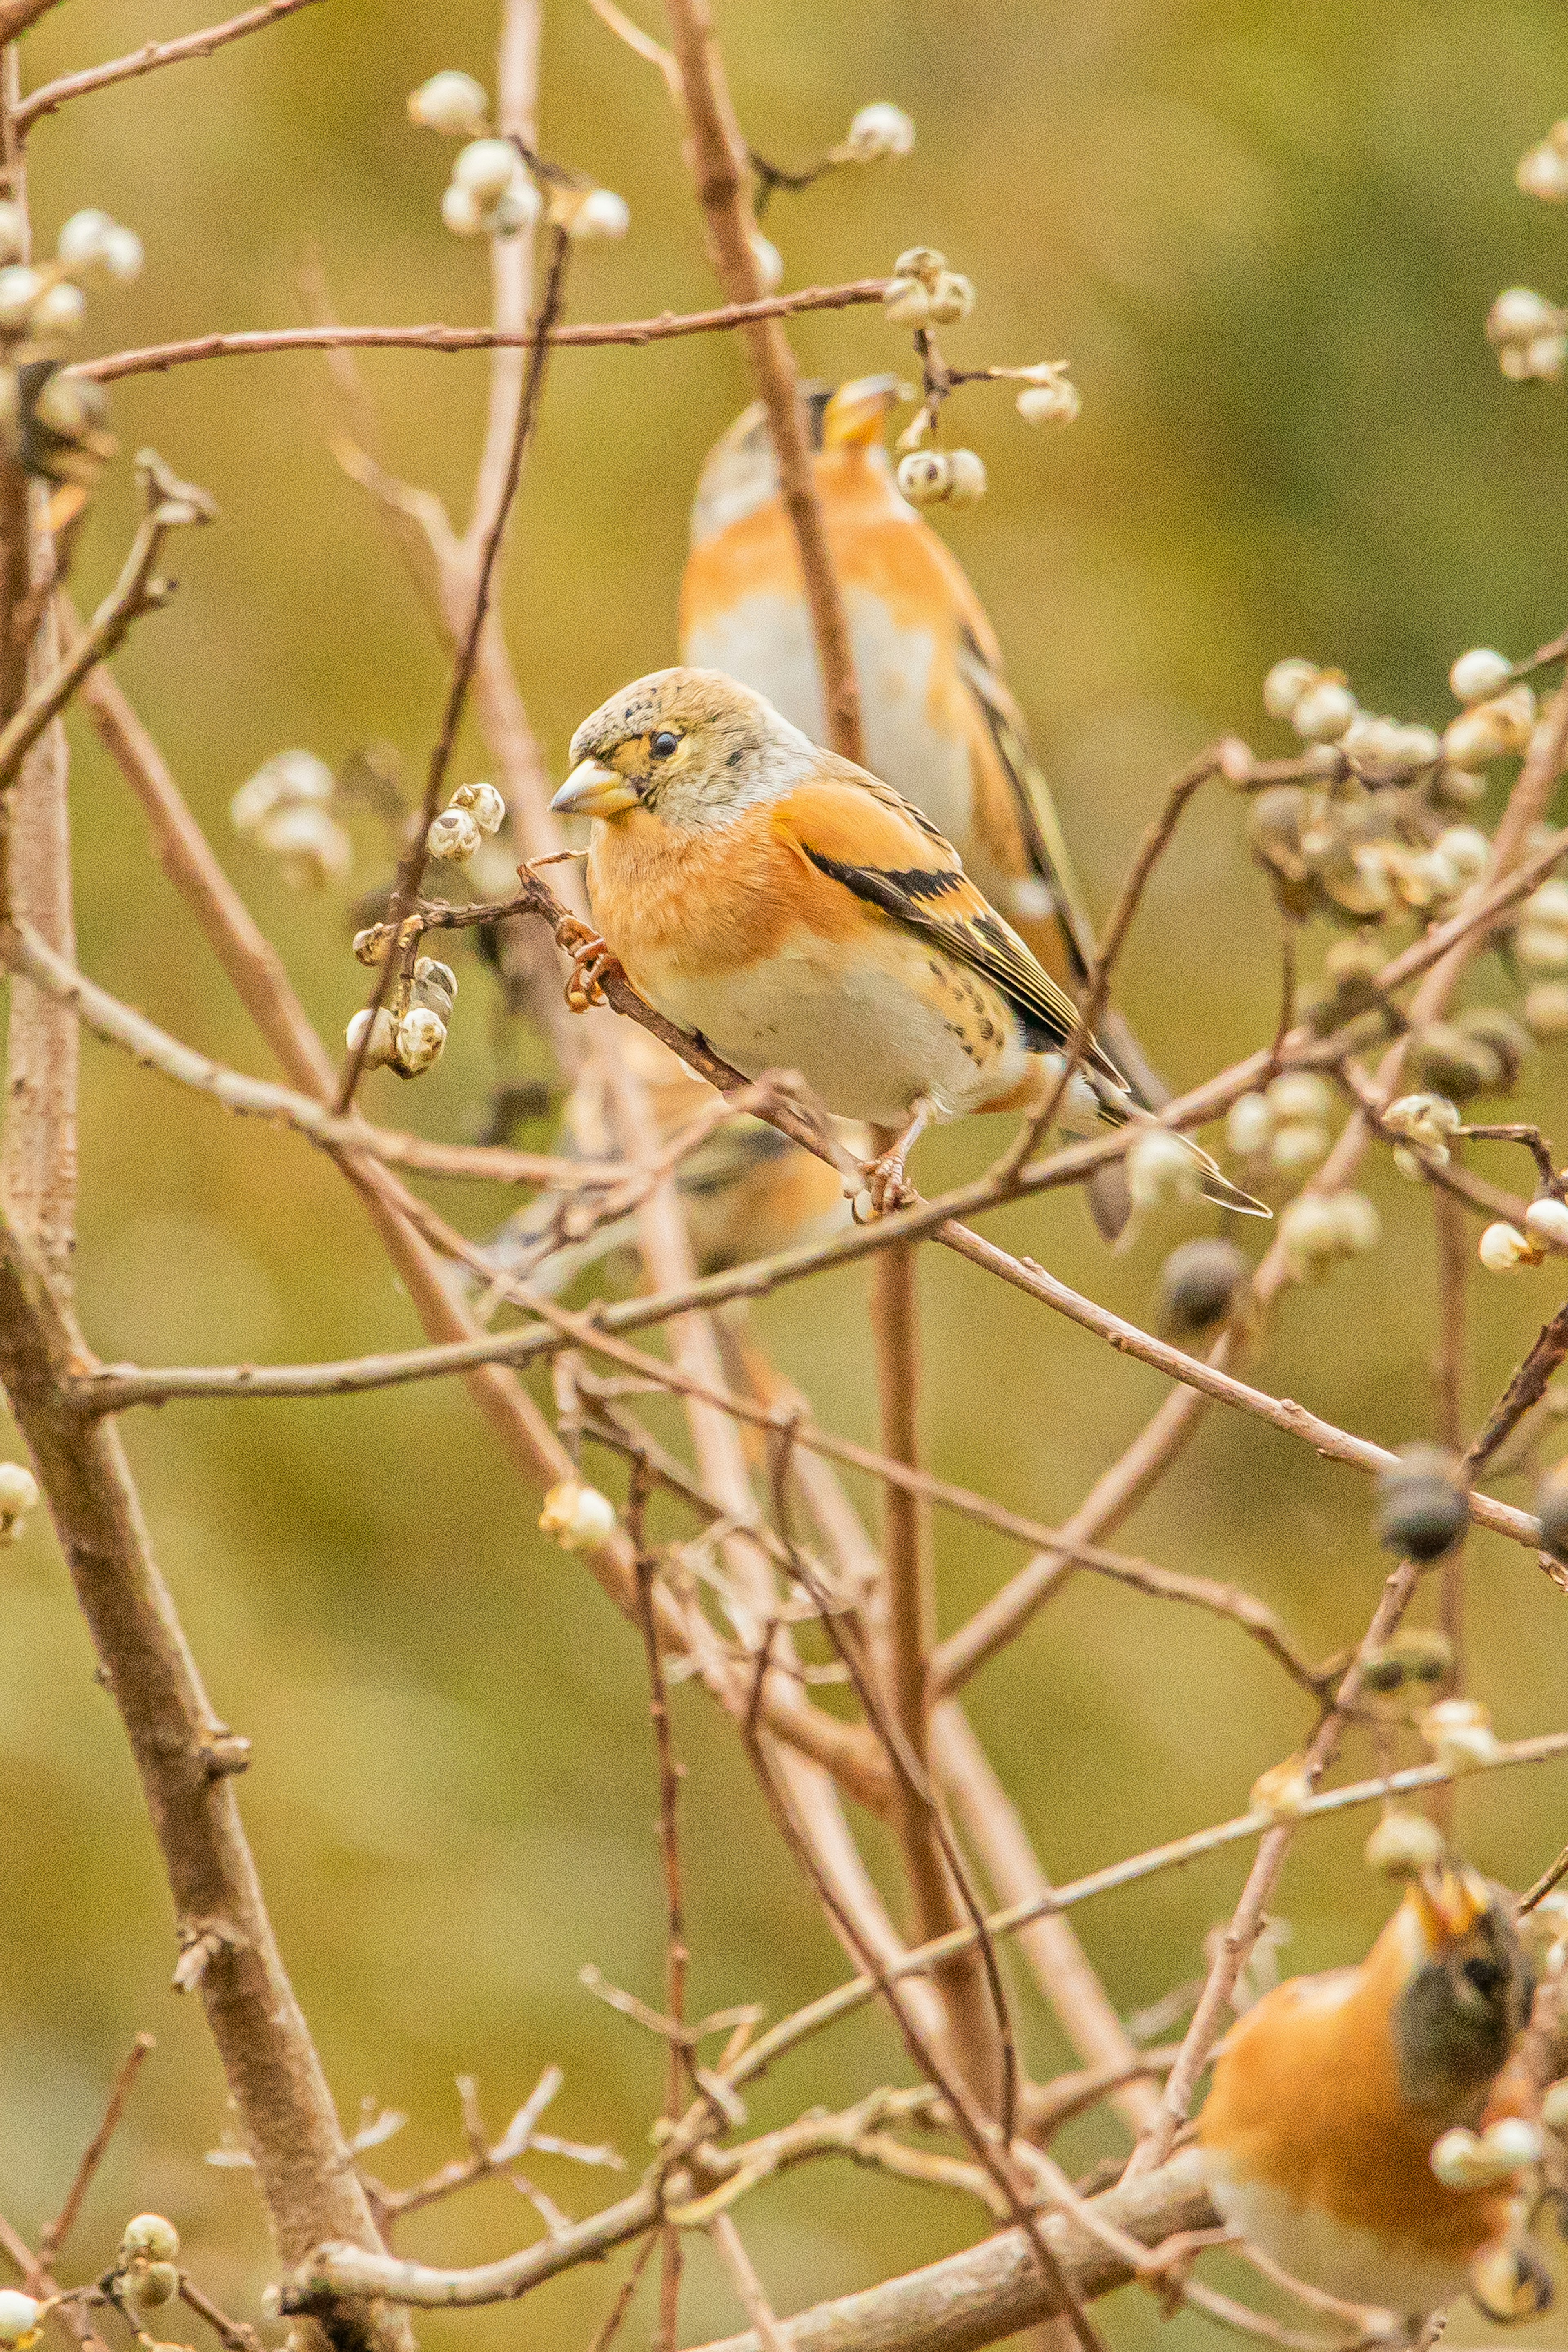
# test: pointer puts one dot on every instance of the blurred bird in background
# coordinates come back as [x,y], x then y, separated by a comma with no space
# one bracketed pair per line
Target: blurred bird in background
[1343,2104]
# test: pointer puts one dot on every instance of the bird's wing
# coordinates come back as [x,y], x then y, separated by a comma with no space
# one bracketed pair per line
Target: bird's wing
[859,833]
[1041,827]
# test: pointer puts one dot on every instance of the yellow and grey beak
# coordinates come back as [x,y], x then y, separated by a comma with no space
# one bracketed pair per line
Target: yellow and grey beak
[1450,1900]
[594,790]
[854,417]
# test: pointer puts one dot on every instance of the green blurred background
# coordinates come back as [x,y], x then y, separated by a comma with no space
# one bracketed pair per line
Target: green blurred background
[1266,237]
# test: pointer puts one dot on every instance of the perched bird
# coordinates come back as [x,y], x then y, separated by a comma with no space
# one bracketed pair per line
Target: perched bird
[799,914]
[1331,2092]
[746,1190]
[940,725]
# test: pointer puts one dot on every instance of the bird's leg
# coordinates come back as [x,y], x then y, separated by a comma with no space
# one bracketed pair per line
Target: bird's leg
[884,1175]
[591,961]
[1164,2268]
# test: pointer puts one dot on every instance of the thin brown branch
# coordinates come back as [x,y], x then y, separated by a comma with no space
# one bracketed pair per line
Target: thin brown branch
[37,2280]
[676,1953]
[732,2252]
[719,163]
[759,311]
[1528,1386]
[147,60]
[15,15]
[405,890]
[52,2238]
[651,51]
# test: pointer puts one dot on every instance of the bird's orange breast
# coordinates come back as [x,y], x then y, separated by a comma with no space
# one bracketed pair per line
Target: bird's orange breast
[1306,2098]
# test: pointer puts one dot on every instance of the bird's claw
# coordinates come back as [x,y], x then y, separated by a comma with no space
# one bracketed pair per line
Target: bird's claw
[884,1189]
[593,963]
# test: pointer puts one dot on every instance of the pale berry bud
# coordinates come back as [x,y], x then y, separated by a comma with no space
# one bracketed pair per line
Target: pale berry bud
[1324,712]
[484,804]
[381,1032]
[1480,674]
[1423,1119]
[80,245]
[1055,403]
[121,256]
[1545,1009]
[1356,1222]
[486,168]
[1542,173]
[1295,1148]
[1542,359]
[905,303]
[1509,2282]
[1467,849]
[1514,2139]
[518,208]
[1549,904]
[19,2317]
[1546,1221]
[602,214]
[1459,1734]
[19,1495]
[1300,1095]
[952,299]
[579,1517]
[289,779]
[452,103]
[148,2284]
[877,131]
[1285,685]
[20,289]
[966,479]
[310,845]
[920,261]
[59,313]
[1502,1247]
[1540,946]
[1249,1124]
[925,477]
[1517,315]
[13,232]
[1310,1236]
[151,2237]
[372,944]
[460,212]
[1554,2106]
[1460,2160]
[421,1040]
[1162,1169]
[435,985]
[769,262]
[1283,1792]
[454,836]
[1402,1846]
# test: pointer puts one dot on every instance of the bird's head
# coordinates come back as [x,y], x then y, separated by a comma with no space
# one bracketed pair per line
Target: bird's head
[1466,1992]
[689,743]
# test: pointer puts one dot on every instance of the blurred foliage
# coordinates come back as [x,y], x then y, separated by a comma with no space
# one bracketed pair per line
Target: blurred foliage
[1266,237]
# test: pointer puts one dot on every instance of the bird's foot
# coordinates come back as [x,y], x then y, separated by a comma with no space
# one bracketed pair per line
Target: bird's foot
[883,1188]
[593,963]
[1166,2269]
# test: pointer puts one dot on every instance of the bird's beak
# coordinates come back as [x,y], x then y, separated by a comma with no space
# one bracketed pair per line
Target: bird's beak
[594,790]
[853,418]
[1450,1901]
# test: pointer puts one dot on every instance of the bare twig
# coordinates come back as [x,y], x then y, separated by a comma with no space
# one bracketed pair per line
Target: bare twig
[755,310]
[52,2239]
[145,60]
[726,2238]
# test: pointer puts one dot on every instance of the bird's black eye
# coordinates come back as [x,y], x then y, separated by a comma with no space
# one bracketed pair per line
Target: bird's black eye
[663,743]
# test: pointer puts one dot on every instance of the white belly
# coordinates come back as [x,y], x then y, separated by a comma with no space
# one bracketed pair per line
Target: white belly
[1330,2254]
[764,641]
[865,1042]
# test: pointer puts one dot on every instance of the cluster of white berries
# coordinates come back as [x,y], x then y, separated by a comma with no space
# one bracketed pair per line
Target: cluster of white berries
[43,300]
[491,192]
[1318,1229]
[1542,170]
[1467,2159]
[1318,703]
[148,2272]
[877,133]
[1428,1123]
[579,1518]
[924,293]
[19,1495]
[285,809]
[1459,1734]
[474,812]
[413,1040]
[1285,1127]
[1529,333]
[932,477]
[1502,1246]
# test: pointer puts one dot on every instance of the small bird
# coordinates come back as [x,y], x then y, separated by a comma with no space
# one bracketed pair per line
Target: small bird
[1329,2094]
[940,724]
[799,914]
